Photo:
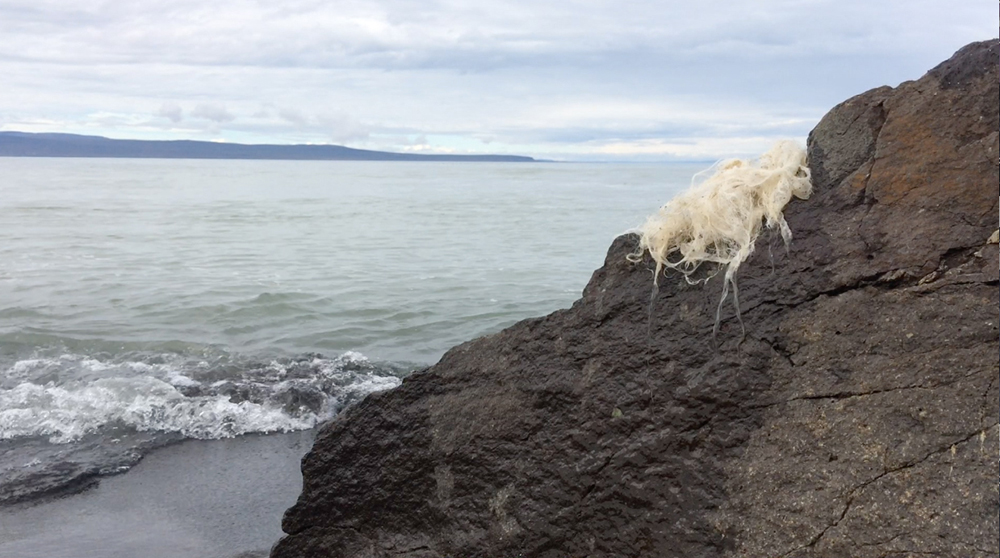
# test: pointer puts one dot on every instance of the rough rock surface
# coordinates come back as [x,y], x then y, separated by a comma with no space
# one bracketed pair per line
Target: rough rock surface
[858,417]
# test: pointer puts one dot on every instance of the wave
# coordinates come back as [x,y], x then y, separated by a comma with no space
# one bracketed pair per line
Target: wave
[71,396]
[66,420]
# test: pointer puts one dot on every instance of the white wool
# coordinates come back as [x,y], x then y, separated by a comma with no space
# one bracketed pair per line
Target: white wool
[719,219]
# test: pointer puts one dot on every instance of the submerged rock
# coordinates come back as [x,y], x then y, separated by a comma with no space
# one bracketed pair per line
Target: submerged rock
[857,418]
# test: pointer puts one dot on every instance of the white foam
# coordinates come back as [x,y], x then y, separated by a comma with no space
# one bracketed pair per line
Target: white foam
[24,367]
[351,357]
[376,383]
[177,379]
[149,397]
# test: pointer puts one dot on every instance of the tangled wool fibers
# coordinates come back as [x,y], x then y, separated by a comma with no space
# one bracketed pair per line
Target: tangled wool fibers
[719,219]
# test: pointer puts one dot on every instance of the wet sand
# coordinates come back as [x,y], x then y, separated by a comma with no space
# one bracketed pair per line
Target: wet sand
[195,499]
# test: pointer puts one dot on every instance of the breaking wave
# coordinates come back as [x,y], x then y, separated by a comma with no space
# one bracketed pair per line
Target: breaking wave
[193,399]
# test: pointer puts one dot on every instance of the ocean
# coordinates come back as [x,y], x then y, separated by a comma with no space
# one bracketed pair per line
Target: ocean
[144,302]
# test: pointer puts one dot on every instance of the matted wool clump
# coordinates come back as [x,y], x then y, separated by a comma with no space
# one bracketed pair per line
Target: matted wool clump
[719,218]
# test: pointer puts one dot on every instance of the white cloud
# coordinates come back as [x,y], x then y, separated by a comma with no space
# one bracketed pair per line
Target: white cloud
[340,128]
[294,116]
[171,111]
[215,112]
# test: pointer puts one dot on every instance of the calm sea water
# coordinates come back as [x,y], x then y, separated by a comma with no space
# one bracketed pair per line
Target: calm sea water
[207,299]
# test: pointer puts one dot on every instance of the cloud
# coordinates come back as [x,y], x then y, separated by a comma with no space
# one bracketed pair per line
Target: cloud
[212,111]
[582,78]
[171,111]
[294,116]
[341,128]
[398,34]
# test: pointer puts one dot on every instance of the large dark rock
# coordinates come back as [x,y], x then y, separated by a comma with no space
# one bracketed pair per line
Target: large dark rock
[858,418]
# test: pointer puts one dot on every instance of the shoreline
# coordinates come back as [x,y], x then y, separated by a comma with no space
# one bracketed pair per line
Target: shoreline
[196,498]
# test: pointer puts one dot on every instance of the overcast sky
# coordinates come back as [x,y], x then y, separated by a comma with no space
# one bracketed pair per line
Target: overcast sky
[568,79]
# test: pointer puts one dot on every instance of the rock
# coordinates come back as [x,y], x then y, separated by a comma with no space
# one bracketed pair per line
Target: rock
[858,417]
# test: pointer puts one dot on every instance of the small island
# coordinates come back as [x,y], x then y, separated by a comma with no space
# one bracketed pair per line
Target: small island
[22,144]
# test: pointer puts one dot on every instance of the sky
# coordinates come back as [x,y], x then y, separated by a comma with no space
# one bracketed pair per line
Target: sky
[583,80]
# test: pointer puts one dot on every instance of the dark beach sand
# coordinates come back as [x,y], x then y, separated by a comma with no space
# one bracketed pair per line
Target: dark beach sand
[197,499]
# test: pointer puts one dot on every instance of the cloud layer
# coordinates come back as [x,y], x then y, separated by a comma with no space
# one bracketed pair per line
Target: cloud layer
[579,79]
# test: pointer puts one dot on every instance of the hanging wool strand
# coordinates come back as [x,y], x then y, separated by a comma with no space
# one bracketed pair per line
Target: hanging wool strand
[718,219]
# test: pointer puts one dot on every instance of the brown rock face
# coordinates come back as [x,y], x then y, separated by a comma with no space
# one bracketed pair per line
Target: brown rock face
[858,418]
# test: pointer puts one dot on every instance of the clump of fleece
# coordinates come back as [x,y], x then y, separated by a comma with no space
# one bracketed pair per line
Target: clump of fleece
[720,217]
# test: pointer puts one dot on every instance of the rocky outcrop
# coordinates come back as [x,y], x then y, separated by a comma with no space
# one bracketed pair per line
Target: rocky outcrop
[857,418]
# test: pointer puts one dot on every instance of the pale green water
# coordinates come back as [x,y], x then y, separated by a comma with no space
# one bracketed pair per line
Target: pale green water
[398,261]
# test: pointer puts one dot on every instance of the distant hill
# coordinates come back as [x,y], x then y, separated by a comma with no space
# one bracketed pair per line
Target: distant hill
[21,144]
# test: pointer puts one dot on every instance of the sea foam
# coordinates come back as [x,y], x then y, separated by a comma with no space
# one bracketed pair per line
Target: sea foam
[278,396]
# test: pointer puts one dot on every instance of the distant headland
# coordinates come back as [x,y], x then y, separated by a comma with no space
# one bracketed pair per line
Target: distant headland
[22,144]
